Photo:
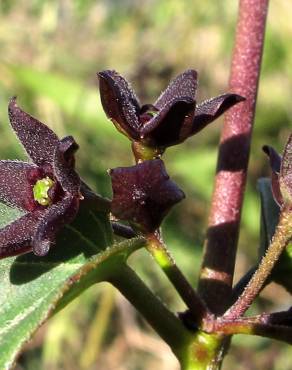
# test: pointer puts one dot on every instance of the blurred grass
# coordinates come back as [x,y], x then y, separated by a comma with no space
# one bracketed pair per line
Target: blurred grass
[50,52]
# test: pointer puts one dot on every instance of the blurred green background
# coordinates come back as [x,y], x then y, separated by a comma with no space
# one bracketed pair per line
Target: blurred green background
[50,52]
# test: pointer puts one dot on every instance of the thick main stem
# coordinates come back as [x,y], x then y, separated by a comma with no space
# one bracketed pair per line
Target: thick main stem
[222,236]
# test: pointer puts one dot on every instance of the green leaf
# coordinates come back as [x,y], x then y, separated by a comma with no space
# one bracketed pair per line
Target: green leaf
[33,288]
[281,273]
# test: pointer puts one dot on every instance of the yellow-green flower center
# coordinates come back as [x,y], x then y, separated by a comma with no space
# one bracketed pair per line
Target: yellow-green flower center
[40,191]
[152,113]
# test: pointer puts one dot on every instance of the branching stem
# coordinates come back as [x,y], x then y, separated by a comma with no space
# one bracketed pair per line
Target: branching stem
[253,326]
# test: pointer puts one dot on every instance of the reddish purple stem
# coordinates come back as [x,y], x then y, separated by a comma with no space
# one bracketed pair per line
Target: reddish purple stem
[277,325]
[223,230]
[274,331]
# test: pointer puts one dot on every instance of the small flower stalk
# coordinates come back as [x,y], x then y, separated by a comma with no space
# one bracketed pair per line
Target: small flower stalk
[46,189]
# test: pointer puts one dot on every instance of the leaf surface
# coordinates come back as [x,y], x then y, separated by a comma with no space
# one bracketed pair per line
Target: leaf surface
[33,288]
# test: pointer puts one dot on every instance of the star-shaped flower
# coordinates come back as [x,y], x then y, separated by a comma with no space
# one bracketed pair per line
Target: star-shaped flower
[46,189]
[143,194]
[170,120]
[281,173]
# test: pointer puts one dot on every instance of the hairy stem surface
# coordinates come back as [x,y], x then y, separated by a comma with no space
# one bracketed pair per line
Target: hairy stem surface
[280,240]
[223,229]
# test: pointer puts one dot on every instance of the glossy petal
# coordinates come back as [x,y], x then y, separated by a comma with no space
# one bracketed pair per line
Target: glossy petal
[171,125]
[38,140]
[53,219]
[184,86]
[119,102]
[143,194]
[211,109]
[16,237]
[15,188]
[275,162]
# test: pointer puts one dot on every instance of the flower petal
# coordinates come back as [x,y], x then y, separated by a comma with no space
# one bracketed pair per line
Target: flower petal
[53,219]
[172,125]
[183,86]
[16,237]
[15,185]
[143,194]
[211,109]
[38,140]
[119,102]
[64,165]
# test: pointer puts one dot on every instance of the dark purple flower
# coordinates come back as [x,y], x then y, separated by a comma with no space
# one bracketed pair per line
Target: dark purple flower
[281,173]
[143,194]
[46,189]
[170,120]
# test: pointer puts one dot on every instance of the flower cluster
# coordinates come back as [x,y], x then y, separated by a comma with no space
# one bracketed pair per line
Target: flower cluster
[47,189]
[143,194]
